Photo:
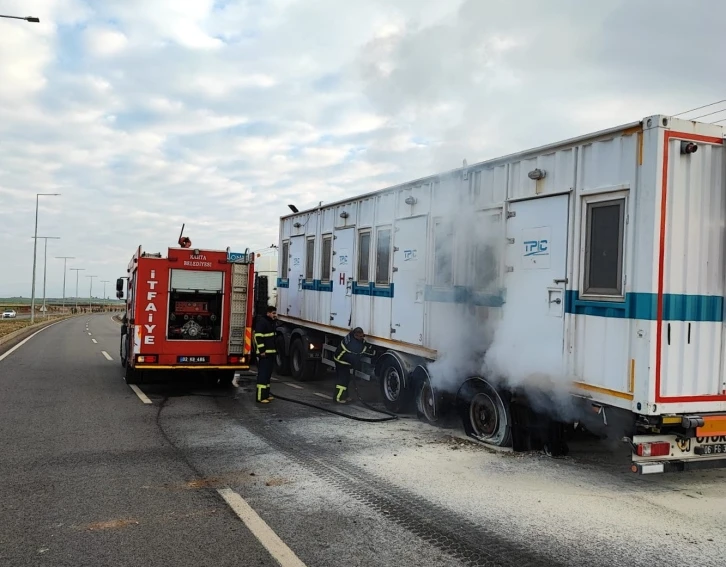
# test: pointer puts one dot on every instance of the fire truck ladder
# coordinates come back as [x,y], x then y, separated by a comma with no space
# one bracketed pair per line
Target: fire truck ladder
[238,312]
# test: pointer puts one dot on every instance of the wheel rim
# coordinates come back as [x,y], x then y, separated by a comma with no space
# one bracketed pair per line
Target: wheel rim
[484,416]
[428,403]
[392,384]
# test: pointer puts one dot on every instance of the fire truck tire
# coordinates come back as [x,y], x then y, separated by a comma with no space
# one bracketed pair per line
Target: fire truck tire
[282,360]
[133,376]
[225,378]
[301,368]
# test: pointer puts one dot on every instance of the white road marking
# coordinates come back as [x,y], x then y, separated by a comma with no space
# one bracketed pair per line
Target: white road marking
[326,396]
[293,385]
[21,343]
[272,542]
[108,356]
[140,394]
[95,342]
[89,334]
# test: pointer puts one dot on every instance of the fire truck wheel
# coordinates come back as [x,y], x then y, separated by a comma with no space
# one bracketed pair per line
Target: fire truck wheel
[301,368]
[133,376]
[225,378]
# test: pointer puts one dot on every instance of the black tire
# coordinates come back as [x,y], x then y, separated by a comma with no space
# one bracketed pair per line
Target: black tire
[427,406]
[133,376]
[301,368]
[395,386]
[123,350]
[485,413]
[282,361]
[226,377]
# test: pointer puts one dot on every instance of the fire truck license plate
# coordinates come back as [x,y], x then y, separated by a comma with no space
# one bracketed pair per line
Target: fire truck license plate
[192,359]
[718,449]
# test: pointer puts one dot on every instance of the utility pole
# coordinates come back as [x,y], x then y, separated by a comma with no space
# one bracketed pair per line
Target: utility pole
[35,251]
[104,282]
[77,270]
[90,294]
[65,259]
[45,267]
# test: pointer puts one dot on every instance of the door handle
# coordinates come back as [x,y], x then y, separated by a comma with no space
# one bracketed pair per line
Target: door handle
[557,301]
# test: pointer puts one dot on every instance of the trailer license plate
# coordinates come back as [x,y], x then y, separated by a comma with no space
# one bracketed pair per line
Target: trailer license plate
[717,449]
[192,359]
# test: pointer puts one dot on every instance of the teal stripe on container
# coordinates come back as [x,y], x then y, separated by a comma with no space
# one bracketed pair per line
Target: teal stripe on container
[676,307]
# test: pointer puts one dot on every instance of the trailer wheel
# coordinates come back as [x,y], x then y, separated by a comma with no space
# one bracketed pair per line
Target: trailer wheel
[485,413]
[426,402]
[301,368]
[395,386]
[282,361]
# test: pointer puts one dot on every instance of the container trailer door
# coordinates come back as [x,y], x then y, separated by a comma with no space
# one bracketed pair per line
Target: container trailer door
[297,267]
[342,277]
[534,308]
[409,280]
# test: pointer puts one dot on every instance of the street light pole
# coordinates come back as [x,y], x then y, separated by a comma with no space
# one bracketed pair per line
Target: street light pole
[104,282]
[65,259]
[45,267]
[27,18]
[35,250]
[77,270]
[90,295]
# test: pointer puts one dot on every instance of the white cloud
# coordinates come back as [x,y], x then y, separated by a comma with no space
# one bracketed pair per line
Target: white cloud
[146,115]
[103,42]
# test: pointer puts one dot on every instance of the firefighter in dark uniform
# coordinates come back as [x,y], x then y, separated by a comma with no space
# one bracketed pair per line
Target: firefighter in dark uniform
[347,358]
[266,348]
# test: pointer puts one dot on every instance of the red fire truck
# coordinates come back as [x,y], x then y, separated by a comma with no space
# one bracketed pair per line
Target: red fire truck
[190,311]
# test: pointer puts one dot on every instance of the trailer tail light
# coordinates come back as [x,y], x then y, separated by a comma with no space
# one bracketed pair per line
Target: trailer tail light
[659,449]
[235,359]
[147,358]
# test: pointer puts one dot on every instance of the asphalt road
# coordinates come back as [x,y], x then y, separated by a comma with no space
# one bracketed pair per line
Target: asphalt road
[97,473]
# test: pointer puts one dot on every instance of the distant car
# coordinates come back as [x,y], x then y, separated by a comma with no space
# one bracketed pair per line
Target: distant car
[9,314]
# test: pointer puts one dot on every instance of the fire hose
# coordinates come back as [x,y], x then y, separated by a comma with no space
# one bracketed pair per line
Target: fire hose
[391,416]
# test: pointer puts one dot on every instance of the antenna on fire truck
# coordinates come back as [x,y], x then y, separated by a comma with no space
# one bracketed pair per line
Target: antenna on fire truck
[184,241]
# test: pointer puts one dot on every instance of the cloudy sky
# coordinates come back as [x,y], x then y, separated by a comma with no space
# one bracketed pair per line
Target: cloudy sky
[146,114]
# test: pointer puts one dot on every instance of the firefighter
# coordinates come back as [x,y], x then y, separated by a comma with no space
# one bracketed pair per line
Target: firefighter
[347,358]
[266,348]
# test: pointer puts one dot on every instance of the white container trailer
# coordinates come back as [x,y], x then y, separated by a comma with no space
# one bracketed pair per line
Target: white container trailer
[599,260]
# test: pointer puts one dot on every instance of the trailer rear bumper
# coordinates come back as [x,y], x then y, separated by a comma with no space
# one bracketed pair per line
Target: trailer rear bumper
[678,466]
[660,453]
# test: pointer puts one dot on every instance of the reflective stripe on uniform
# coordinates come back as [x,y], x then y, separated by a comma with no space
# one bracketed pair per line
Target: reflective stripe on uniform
[341,389]
[344,351]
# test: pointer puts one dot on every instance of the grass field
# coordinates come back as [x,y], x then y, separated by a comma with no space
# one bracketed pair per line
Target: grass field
[8,326]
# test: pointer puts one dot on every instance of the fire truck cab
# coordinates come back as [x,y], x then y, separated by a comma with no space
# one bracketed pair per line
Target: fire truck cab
[188,311]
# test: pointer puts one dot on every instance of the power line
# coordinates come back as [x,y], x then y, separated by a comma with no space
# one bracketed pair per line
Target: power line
[709,114]
[717,121]
[700,107]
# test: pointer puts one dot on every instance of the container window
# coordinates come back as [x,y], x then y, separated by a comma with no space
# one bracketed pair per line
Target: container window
[604,248]
[443,254]
[383,256]
[364,256]
[309,258]
[285,269]
[327,258]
